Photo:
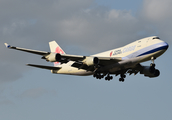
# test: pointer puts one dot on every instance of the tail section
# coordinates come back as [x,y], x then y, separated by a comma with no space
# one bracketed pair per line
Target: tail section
[54,47]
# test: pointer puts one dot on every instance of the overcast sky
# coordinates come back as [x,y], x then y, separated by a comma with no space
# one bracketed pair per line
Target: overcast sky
[81,27]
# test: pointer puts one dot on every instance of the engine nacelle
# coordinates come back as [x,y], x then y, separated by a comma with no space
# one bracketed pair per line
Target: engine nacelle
[150,71]
[91,61]
[53,57]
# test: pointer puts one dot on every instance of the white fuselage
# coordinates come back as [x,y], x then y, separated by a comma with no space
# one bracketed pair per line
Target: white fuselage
[136,52]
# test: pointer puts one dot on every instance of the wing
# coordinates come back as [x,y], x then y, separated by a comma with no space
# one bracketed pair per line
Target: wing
[147,71]
[135,70]
[90,62]
[43,53]
[49,56]
[81,62]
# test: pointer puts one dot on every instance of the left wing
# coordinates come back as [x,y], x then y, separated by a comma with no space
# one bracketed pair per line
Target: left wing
[49,56]
[27,50]
[81,62]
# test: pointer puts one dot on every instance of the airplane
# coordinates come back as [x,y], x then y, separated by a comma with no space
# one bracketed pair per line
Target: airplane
[120,61]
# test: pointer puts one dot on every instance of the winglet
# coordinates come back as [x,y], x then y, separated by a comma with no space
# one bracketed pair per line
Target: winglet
[8,46]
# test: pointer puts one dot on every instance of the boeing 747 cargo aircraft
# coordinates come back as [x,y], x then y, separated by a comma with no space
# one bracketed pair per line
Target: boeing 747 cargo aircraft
[118,61]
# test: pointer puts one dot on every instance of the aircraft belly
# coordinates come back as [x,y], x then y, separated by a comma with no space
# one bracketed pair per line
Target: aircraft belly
[114,70]
[80,72]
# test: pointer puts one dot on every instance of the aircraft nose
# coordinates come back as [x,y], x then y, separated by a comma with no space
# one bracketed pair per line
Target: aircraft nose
[166,45]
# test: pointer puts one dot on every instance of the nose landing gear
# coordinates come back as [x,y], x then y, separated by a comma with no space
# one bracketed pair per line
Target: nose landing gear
[155,71]
[153,62]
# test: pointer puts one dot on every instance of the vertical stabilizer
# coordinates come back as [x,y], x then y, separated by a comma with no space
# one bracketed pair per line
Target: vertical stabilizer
[55,48]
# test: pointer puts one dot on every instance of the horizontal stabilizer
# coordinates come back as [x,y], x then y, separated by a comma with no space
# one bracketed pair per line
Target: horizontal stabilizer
[8,46]
[44,67]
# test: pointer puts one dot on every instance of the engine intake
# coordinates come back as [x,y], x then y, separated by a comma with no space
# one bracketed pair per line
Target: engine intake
[91,61]
[150,71]
[54,57]
[58,57]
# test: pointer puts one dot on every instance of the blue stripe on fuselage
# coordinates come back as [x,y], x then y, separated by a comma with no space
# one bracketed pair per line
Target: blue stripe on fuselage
[164,47]
[148,50]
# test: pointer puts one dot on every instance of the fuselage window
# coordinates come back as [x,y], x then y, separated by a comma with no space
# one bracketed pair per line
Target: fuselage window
[156,38]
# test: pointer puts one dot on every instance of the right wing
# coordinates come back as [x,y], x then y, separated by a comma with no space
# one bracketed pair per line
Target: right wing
[89,63]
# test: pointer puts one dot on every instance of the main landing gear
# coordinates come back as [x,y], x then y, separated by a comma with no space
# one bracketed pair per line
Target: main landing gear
[108,77]
[121,79]
[102,75]
[98,75]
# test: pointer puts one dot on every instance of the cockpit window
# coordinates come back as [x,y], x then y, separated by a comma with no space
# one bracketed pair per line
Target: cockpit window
[156,38]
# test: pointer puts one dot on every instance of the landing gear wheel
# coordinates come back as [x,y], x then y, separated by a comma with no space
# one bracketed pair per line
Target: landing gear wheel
[98,75]
[124,76]
[152,65]
[111,77]
[108,77]
[121,79]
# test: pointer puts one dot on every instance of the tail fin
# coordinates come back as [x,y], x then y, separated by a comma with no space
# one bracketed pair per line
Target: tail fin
[54,47]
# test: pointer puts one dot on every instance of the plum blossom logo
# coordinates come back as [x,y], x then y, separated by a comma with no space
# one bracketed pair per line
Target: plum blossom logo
[111,53]
[60,51]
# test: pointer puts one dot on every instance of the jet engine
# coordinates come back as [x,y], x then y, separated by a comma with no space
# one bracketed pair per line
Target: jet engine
[91,61]
[150,71]
[53,57]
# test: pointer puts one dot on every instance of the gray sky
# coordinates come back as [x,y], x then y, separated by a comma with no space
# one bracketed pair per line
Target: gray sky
[82,28]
